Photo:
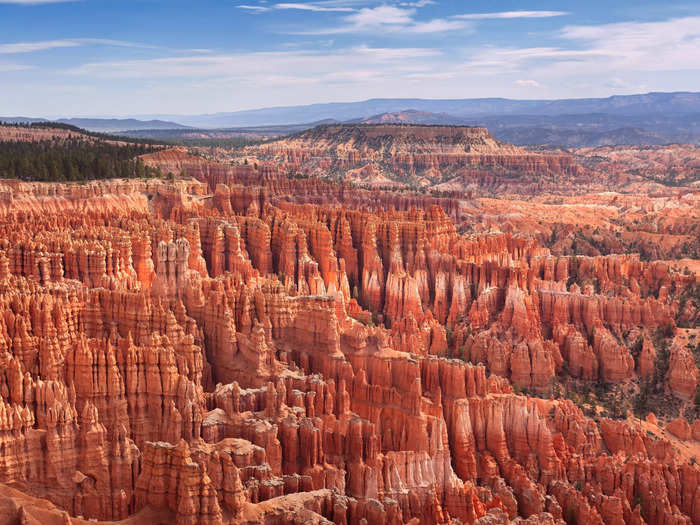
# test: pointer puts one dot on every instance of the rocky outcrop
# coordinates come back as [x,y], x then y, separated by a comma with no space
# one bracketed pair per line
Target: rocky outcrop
[682,373]
[680,428]
[254,358]
[391,154]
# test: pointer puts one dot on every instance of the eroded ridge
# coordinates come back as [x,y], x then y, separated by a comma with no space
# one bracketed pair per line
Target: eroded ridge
[230,350]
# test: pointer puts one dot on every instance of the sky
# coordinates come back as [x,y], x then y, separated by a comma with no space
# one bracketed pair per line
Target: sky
[145,57]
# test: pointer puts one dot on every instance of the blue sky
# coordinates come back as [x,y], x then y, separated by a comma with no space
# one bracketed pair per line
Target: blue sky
[139,57]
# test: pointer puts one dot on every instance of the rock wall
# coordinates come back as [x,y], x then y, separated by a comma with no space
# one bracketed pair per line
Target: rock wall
[386,154]
[248,358]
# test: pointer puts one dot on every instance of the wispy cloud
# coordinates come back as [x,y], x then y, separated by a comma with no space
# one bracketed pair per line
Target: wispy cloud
[397,18]
[31,47]
[510,14]
[562,59]
[321,7]
[384,15]
[390,19]
[312,7]
[514,58]
[644,46]
[437,25]
[395,53]
[254,8]
[46,45]
[528,83]
[310,66]
[593,50]
[618,48]
[35,2]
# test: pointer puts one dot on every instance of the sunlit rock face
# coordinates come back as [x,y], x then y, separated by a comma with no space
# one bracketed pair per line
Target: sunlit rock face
[249,348]
[399,155]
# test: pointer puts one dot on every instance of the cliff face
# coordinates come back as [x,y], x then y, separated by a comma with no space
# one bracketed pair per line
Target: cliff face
[36,134]
[255,349]
[592,201]
[673,164]
[179,161]
[658,222]
[399,154]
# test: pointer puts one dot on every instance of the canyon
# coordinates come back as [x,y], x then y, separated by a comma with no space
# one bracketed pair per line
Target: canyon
[592,201]
[467,162]
[257,342]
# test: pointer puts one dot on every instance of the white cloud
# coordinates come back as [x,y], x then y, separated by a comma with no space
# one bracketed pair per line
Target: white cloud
[251,67]
[437,25]
[646,46]
[630,46]
[518,58]
[418,3]
[618,83]
[510,14]
[35,2]
[393,53]
[390,19]
[398,18]
[322,7]
[575,61]
[256,8]
[312,7]
[46,45]
[585,52]
[30,47]
[528,83]
[384,15]
[628,57]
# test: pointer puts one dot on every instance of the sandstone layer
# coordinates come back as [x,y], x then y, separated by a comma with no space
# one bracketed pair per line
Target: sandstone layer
[411,155]
[243,347]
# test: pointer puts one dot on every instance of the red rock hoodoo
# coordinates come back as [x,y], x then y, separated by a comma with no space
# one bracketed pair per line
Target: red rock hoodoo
[243,347]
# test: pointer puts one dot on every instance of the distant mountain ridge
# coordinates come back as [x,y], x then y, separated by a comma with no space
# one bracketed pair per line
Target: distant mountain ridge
[104,125]
[271,131]
[622,105]
[585,130]
[571,131]
[645,119]
[413,116]
[116,125]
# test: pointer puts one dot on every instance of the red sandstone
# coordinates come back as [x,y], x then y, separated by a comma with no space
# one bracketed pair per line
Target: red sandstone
[254,349]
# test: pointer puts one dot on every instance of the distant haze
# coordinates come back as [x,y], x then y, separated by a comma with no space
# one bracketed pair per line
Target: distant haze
[630,105]
[653,118]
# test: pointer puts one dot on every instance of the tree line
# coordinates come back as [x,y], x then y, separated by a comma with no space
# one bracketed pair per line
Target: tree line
[73,159]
